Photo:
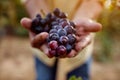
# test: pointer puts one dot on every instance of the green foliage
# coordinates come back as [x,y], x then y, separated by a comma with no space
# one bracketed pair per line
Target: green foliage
[110,19]
[75,78]
[11,12]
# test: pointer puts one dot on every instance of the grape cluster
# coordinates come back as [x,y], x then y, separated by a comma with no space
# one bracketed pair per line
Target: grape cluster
[61,38]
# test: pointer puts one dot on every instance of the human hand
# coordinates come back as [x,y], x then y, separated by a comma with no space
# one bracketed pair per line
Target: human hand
[84,28]
[37,41]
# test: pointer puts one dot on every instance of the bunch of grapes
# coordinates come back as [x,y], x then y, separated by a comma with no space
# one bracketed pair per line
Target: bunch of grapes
[61,39]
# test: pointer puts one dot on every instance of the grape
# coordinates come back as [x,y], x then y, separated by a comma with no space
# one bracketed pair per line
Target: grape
[49,15]
[35,22]
[37,29]
[63,40]
[62,32]
[53,31]
[53,44]
[71,38]
[53,36]
[64,23]
[39,16]
[69,48]
[69,29]
[62,15]
[56,12]
[43,22]
[57,27]
[52,52]
[72,24]
[61,51]
[47,28]
[54,23]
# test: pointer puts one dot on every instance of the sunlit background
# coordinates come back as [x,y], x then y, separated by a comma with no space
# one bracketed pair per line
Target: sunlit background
[16,60]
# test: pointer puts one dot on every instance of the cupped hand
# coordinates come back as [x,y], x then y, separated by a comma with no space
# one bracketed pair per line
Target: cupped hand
[37,41]
[84,28]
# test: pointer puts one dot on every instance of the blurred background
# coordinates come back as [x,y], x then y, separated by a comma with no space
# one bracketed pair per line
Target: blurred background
[16,60]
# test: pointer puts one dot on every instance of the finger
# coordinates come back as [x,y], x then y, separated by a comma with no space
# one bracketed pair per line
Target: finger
[83,43]
[39,39]
[73,53]
[92,26]
[26,23]
[88,25]
[45,50]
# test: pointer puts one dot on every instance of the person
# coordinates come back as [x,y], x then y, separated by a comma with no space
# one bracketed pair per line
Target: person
[84,13]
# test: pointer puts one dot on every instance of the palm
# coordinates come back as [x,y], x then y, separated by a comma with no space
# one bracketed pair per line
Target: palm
[83,32]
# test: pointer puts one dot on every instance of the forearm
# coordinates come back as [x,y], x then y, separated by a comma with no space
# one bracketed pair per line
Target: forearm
[88,9]
[34,6]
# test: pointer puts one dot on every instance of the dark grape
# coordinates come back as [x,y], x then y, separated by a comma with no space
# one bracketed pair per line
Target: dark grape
[62,32]
[35,22]
[61,51]
[68,48]
[37,29]
[56,12]
[53,31]
[54,23]
[63,40]
[71,38]
[53,36]
[43,22]
[63,23]
[69,29]
[47,28]
[53,44]
[49,15]
[57,27]
[39,16]
[52,52]
[62,15]
[72,24]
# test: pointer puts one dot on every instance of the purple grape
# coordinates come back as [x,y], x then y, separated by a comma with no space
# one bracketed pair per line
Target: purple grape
[53,44]
[72,24]
[69,48]
[54,23]
[63,23]
[62,15]
[69,29]
[61,51]
[35,22]
[53,31]
[71,38]
[36,29]
[43,22]
[47,28]
[56,12]
[63,40]
[62,32]
[53,36]
[52,52]
[57,27]
[49,15]
[39,16]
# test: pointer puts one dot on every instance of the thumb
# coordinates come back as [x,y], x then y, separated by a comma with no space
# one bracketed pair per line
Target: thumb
[26,23]
[88,25]
[39,39]
[92,26]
